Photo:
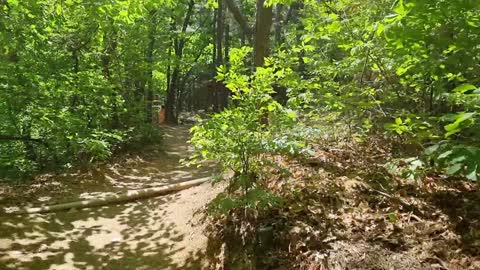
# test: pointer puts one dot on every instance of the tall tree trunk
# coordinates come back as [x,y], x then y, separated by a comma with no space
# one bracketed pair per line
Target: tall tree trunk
[149,59]
[219,54]
[263,25]
[211,94]
[76,69]
[110,45]
[278,24]
[224,90]
[238,16]
[169,66]
[214,42]
[297,10]
[182,93]
[227,40]
[219,36]
[170,116]
[178,44]
[29,148]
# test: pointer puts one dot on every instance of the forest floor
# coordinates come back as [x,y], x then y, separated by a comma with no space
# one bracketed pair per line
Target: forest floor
[341,209]
[157,233]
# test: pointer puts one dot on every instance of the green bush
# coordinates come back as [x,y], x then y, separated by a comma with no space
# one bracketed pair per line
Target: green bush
[243,136]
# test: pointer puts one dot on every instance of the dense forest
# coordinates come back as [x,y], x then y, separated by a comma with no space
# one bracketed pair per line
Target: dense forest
[81,77]
[384,92]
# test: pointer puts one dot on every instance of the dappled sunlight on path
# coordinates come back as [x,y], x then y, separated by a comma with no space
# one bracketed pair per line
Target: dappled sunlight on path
[158,233]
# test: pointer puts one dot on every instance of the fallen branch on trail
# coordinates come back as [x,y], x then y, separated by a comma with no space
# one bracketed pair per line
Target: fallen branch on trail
[127,197]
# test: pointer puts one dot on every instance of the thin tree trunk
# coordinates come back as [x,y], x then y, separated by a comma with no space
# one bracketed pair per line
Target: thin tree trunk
[219,36]
[169,66]
[110,45]
[297,10]
[227,40]
[214,38]
[149,60]
[170,115]
[76,70]
[238,16]
[278,24]
[219,54]
[179,44]
[224,90]
[263,25]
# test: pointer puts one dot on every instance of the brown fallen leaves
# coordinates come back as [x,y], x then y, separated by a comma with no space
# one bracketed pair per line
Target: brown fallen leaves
[342,210]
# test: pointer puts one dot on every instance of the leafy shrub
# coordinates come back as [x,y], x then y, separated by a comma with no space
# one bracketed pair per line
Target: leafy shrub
[241,137]
[456,159]
[98,146]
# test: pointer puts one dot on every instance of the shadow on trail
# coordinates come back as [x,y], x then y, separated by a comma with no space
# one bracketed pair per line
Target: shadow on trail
[146,234]
[132,236]
[463,209]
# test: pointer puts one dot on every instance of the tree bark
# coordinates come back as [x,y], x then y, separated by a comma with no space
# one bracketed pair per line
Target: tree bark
[223,88]
[219,36]
[278,24]
[179,43]
[227,40]
[238,16]
[263,25]
[149,59]
[217,104]
[300,28]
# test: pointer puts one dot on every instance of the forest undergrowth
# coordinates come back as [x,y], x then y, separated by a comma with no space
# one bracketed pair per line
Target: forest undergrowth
[349,129]
[341,208]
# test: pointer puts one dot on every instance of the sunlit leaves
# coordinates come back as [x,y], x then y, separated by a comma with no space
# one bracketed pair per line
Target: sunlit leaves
[456,159]
[464,88]
[240,137]
[458,123]
[71,70]
[13,2]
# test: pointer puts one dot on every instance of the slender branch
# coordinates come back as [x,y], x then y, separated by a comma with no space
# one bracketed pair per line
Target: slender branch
[7,138]
[239,17]
[186,22]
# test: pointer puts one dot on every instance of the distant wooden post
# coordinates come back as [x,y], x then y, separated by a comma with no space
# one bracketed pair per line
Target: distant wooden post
[161,115]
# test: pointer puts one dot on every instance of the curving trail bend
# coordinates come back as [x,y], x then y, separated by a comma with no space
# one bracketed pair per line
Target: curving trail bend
[157,233]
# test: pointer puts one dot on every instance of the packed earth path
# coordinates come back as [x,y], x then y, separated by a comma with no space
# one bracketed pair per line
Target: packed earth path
[163,232]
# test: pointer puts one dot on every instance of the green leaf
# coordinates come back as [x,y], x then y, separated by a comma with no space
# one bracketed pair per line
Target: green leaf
[398,121]
[451,132]
[454,168]
[390,126]
[58,9]
[431,149]
[271,107]
[473,24]
[13,2]
[464,88]
[472,172]
[291,114]
[445,154]
[402,70]
[400,8]
[455,126]
[392,217]
[380,29]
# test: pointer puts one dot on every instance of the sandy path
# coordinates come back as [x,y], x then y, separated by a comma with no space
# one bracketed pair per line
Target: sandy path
[158,233]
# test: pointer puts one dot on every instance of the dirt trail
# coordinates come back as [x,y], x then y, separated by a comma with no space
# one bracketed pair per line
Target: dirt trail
[158,233]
